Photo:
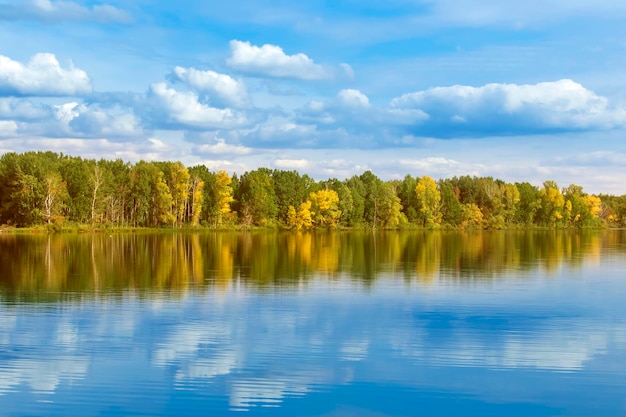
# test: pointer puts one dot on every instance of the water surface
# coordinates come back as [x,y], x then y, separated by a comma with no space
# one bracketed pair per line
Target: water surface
[320,324]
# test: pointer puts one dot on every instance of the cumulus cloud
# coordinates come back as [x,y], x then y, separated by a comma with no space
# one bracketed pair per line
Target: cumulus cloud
[215,85]
[59,11]
[352,112]
[353,98]
[42,76]
[7,128]
[20,109]
[291,163]
[593,159]
[95,121]
[169,108]
[280,131]
[271,60]
[73,120]
[512,109]
[220,147]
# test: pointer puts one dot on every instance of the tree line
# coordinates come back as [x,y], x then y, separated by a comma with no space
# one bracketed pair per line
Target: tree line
[50,188]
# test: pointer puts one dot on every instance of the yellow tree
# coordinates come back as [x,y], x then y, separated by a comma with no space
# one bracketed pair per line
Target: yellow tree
[179,189]
[324,207]
[223,195]
[162,201]
[594,204]
[389,206]
[552,204]
[581,209]
[472,216]
[510,199]
[301,218]
[197,186]
[428,201]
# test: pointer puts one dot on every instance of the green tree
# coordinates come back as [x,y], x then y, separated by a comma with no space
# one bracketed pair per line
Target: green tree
[357,191]
[528,205]
[451,207]
[408,198]
[54,197]
[371,207]
[290,189]
[255,199]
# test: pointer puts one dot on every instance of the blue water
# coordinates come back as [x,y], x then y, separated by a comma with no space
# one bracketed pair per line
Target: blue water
[537,342]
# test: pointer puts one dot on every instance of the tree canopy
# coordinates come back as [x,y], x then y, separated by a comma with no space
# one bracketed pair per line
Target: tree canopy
[38,188]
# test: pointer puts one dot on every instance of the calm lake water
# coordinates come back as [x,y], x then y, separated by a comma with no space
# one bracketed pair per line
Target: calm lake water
[323,324]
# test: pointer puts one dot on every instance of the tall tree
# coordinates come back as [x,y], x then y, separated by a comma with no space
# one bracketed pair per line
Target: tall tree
[408,198]
[428,200]
[54,198]
[552,204]
[223,196]
[290,189]
[389,206]
[451,207]
[178,183]
[255,198]
[528,205]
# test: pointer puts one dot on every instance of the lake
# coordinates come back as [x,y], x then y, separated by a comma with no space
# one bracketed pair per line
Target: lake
[314,324]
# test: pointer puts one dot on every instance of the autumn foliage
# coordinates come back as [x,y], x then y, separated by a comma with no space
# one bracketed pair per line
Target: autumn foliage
[49,188]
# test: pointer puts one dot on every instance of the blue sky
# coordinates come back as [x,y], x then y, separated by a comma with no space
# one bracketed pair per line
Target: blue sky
[509,89]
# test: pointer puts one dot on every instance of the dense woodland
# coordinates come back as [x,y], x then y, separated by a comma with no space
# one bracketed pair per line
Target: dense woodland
[46,188]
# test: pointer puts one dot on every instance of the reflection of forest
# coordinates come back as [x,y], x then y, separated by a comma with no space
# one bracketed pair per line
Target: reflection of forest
[37,267]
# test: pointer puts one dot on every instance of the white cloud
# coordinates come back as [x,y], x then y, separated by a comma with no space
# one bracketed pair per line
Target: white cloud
[220,147]
[8,128]
[172,108]
[66,112]
[42,76]
[226,165]
[271,60]
[58,11]
[280,131]
[12,108]
[441,167]
[225,87]
[517,109]
[79,120]
[291,163]
[353,98]
[594,159]
[97,122]
[352,112]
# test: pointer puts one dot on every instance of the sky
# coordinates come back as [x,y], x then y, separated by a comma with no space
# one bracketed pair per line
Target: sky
[516,90]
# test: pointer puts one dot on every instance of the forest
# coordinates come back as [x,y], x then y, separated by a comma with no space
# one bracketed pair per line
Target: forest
[56,191]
